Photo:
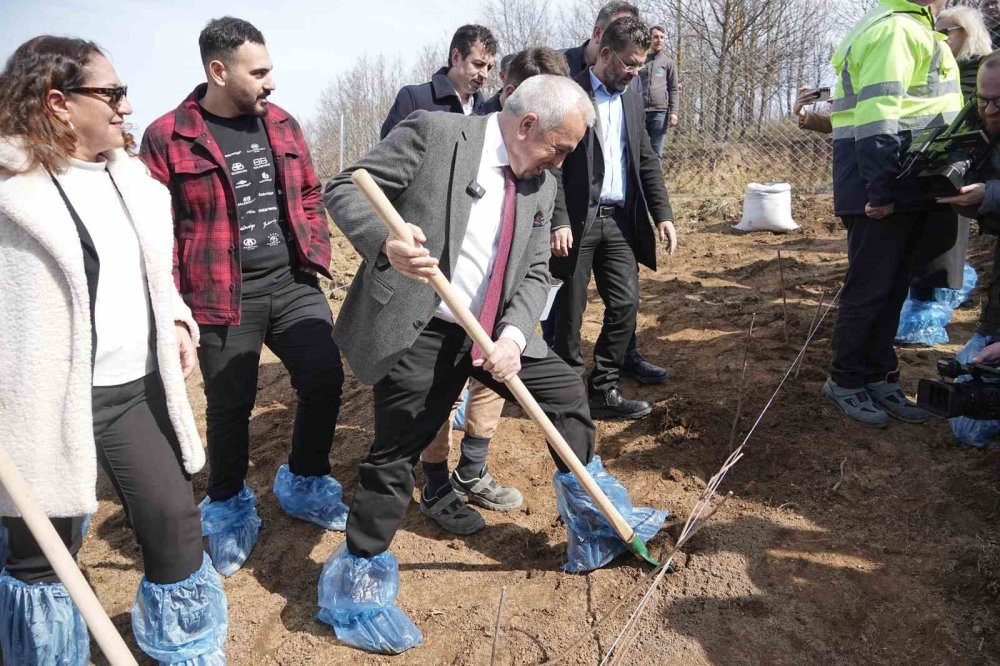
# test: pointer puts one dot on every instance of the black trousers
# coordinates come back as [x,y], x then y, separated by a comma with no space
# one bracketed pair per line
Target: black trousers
[939,259]
[412,402]
[989,319]
[604,251]
[296,324]
[880,261]
[138,449]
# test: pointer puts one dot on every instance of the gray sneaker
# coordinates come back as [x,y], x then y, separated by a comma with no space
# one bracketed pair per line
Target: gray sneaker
[486,492]
[891,398]
[856,403]
[452,514]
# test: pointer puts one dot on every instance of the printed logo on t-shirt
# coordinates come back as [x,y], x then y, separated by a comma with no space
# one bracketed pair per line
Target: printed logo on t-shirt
[247,227]
[267,209]
[268,223]
[265,177]
[273,239]
[247,200]
[265,194]
[260,163]
[240,184]
[256,148]
[238,168]
[233,154]
[250,243]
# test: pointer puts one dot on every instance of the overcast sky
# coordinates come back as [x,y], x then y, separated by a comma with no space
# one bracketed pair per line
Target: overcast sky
[154,43]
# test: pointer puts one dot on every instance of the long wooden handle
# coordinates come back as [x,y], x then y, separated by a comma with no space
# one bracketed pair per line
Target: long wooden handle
[62,563]
[400,231]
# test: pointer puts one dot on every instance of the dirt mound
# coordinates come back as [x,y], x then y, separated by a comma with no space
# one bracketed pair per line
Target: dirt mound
[841,544]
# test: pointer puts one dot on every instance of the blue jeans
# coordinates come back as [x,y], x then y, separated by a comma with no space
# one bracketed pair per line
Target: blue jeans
[656,126]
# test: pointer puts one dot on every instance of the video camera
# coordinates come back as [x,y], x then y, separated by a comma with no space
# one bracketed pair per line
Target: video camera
[977,399]
[943,157]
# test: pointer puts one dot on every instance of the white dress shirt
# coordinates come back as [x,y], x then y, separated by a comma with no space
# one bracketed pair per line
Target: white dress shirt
[611,124]
[122,313]
[482,236]
[468,104]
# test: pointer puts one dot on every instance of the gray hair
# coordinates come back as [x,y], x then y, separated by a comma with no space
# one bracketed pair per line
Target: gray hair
[551,98]
[977,37]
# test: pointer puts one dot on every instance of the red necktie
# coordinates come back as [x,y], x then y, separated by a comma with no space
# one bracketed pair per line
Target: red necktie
[494,290]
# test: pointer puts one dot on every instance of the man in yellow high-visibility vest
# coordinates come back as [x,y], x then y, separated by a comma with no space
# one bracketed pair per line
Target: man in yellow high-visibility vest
[897,77]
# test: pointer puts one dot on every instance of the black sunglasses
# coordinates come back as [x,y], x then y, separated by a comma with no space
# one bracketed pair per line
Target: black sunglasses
[115,95]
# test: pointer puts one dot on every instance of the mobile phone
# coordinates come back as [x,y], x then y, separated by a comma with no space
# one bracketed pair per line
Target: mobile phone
[823,94]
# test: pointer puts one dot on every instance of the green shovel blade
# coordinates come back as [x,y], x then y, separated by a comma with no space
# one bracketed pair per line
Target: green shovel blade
[639,549]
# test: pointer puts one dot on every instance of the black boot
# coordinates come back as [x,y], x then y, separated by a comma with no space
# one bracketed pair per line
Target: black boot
[641,370]
[613,405]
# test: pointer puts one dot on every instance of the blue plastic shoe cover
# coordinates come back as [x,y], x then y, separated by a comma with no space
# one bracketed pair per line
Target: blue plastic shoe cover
[232,527]
[459,422]
[183,622]
[315,499]
[592,542]
[970,431]
[357,597]
[955,297]
[923,322]
[40,624]
[3,547]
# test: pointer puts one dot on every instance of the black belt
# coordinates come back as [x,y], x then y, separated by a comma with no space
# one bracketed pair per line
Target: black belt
[608,210]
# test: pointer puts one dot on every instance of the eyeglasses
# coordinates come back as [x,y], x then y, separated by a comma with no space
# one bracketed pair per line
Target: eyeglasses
[984,102]
[631,69]
[114,95]
[945,31]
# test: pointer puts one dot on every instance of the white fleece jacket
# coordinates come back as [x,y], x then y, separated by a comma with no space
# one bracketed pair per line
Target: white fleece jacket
[46,425]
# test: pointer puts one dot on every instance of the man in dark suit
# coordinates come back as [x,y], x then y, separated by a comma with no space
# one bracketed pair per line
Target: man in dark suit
[455,88]
[585,55]
[579,58]
[611,184]
[481,188]
[493,104]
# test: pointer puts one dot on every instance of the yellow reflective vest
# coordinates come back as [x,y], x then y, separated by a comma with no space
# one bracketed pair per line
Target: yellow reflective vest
[896,76]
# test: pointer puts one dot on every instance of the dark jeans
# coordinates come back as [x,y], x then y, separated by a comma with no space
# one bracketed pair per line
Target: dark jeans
[296,324]
[137,448]
[656,127]
[412,402]
[880,260]
[605,252]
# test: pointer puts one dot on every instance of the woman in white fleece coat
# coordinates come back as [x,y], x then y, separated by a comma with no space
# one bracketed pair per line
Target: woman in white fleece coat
[96,349]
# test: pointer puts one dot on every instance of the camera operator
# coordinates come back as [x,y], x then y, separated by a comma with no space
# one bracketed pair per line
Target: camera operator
[981,199]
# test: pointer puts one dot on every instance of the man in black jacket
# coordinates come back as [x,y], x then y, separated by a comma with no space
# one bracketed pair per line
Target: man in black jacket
[611,184]
[581,57]
[455,88]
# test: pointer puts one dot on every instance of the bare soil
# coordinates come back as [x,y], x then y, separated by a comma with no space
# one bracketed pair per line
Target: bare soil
[841,545]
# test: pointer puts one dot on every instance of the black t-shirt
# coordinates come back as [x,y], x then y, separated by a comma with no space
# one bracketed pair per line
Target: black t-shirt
[266,255]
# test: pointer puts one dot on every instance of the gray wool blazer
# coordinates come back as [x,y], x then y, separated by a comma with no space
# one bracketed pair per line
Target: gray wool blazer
[424,166]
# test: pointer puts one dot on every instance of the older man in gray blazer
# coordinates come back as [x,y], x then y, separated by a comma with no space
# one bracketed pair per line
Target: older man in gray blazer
[479,189]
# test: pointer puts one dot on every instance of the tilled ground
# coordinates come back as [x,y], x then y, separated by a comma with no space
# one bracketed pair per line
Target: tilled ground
[841,544]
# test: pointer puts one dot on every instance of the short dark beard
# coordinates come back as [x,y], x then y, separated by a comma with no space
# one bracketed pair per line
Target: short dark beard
[246,108]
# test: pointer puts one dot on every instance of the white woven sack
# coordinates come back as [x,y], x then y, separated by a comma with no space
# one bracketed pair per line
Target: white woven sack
[767,208]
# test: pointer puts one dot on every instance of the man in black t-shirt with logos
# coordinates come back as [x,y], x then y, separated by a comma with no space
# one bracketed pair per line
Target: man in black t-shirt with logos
[251,238]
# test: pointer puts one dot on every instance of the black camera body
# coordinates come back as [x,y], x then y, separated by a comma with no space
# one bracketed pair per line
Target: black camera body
[977,398]
[942,158]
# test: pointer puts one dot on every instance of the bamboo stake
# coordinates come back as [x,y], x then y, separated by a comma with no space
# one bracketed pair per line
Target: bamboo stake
[812,330]
[784,300]
[743,376]
[496,628]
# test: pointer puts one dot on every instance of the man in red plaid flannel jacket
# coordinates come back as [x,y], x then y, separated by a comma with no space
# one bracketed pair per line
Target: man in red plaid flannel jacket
[251,238]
